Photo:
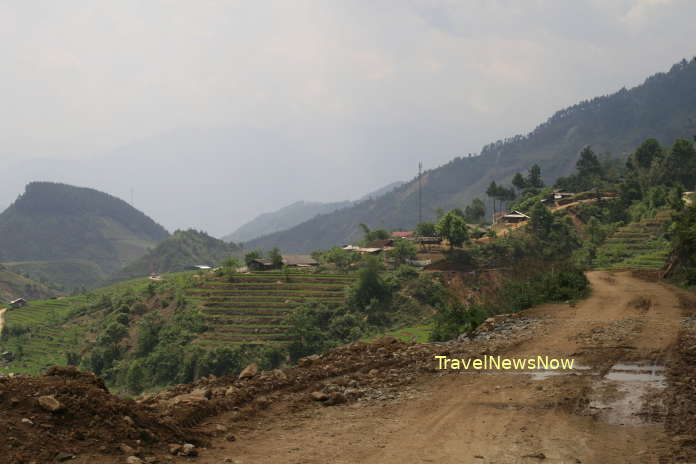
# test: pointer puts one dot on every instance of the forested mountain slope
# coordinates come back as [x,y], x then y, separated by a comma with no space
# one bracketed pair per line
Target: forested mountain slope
[178,252]
[294,214]
[52,224]
[663,107]
[282,219]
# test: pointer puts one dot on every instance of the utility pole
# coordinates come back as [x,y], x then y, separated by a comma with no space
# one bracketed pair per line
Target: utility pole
[420,192]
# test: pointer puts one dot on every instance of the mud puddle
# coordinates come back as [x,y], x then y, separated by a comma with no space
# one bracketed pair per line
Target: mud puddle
[629,394]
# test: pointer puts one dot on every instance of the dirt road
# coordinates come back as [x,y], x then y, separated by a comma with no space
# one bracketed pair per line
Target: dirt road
[607,410]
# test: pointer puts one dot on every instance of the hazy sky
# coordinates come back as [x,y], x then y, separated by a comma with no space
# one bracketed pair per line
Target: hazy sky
[214,111]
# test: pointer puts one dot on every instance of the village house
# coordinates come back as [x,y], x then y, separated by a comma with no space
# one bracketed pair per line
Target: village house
[428,240]
[262,264]
[514,217]
[561,195]
[383,244]
[299,261]
[363,250]
[18,303]
[266,264]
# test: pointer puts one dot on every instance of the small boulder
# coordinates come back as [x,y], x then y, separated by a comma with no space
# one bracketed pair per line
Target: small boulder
[174,448]
[50,403]
[134,460]
[335,398]
[188,450]
[319,396]
[249,371]
[125,449]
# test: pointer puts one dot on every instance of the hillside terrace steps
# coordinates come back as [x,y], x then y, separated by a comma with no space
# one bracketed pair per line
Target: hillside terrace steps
[251,309]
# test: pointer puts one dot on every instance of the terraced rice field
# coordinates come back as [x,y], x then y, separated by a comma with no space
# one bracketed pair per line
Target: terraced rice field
[50,337]
[252,308]
[48,342]
[639,245]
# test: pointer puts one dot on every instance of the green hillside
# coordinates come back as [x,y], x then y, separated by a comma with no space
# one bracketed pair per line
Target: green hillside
[639,245]
[56,223]
[178,252]
[294,214]
[44,332]
[663,107]
[13,285]
[282,219]
[196,317]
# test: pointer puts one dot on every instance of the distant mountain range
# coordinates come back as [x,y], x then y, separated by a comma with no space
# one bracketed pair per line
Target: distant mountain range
[73,236]
[663,107]
[179,252]
[294,214]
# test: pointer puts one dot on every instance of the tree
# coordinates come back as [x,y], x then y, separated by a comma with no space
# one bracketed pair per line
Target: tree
[403,250]
[588,165]
[684,243]
[646,153]
[475,212]
[675,198]
[453,228]
[541,221]
[230,265]
[680,164]
[426,229]
[251,256]
[339,257]
[275,257]
[493,191]
[370,292]
[534,177]
[519,182]
[371,235]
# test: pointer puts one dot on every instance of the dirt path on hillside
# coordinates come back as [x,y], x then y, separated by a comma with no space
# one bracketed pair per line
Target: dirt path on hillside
[608,410]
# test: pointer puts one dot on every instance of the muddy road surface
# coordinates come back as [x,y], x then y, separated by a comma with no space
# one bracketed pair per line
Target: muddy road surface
[611,408]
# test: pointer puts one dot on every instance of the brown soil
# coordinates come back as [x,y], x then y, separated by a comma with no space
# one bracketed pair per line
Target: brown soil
[506,417]
[387,403]
[90,420]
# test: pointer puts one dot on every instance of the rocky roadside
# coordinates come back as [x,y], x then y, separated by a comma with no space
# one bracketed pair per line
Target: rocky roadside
[67,414]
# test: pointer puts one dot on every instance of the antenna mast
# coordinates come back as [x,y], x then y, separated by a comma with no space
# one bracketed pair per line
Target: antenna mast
[420,192]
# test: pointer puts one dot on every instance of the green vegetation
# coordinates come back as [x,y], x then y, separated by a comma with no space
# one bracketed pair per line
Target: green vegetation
[179,252]
[639,245]
[70,276]
[63,224]
[452,227]
[662,107]
[403,251]
[370,235]
[14,286]
[683,264]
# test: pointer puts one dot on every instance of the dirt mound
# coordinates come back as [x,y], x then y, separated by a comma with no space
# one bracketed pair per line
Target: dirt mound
[68,413]
[359,366]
